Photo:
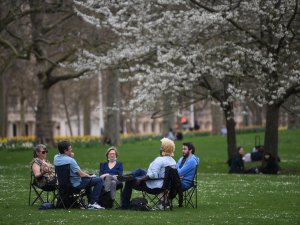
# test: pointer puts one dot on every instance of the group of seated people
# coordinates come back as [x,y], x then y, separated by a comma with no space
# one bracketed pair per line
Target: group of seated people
[111,172]
[269,164]
[257,154]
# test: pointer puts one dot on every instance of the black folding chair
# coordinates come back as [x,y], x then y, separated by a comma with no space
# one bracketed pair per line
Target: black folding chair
[170,188]
[119,188]
[68,196]
[190,194]
[106,200]
[41,194]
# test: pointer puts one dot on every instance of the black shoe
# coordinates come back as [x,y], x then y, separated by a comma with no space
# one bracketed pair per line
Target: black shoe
[124,178]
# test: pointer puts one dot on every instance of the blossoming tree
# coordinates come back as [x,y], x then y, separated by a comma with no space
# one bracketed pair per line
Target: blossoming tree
[191,50]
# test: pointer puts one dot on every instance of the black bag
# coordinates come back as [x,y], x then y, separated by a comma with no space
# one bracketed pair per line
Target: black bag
[139,204]
[46,205]
[105,200]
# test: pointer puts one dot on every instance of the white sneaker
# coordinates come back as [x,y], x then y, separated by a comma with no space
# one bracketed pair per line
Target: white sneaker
[95,206]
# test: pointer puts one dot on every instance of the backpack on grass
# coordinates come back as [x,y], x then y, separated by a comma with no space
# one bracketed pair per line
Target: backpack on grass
[139,204]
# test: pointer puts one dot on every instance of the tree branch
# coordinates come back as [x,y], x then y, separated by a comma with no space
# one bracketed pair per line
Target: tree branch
[235,24]
[9,45]
[281,41]
[18,14]
[22,54]
[161,113]
[295,89]
[45,30]
[61,59]
[53,80]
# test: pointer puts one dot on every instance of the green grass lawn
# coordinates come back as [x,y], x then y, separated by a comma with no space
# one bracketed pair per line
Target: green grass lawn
[222,198]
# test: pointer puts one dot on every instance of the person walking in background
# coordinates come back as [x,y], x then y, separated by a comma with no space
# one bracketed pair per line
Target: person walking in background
[170,135]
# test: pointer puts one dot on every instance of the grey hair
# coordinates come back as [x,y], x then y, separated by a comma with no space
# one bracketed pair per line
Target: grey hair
[37,149]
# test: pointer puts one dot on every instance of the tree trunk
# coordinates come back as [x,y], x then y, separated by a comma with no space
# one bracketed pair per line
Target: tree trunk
[66,110]
[22,116]
[78,119]
[86,116]
[271,131]
[230,126]
[3,107]
[168,118]
[217,119]
[44,132]
[113,113]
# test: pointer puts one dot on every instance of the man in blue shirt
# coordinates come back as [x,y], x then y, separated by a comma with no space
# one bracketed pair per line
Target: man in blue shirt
[187,164]
[78,178]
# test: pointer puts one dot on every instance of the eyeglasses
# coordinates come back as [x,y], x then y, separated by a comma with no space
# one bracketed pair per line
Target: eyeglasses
[43,152]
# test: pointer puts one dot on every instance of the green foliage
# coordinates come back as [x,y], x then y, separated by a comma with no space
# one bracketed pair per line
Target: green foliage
[222,198]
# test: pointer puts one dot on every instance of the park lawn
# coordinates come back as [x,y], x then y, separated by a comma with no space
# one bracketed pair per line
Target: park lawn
[222,198]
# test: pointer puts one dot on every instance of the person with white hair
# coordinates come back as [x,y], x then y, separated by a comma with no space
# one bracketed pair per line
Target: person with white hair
[155,170]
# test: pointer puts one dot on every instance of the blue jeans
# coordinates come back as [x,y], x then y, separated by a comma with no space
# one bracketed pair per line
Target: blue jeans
[89,182]
[133,184]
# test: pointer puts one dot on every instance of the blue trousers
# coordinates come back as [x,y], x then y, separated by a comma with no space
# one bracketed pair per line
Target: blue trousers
[93,186]
[133,184]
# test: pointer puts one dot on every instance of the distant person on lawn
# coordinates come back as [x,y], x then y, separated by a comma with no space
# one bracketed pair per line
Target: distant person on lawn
[270,166]
[237,163]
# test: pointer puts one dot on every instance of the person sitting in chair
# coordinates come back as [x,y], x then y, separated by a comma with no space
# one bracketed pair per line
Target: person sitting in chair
[79,179]
[42,169]
[110,170]
[156,170]
[187,164]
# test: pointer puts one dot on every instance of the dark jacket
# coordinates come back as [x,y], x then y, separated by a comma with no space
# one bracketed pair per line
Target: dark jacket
[271,166]
[237,164]
[116,170]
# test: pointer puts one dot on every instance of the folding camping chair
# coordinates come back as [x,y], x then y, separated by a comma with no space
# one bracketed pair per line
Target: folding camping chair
[42,194]
[68,196]
[106,200]
[170,188]
[119,188]
[190,194]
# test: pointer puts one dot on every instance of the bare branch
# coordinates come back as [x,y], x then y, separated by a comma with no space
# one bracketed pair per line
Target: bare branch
[61,59]
[53,80]
[56,23]
[9,45]
[18,14]
[162,113]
